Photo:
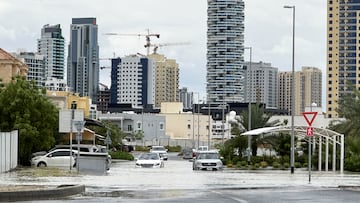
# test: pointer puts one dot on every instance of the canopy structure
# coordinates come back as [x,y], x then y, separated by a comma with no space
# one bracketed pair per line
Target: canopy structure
[321,137]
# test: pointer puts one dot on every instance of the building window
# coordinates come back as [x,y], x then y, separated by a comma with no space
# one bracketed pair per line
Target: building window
[129,128]
[161,126]
[139,125]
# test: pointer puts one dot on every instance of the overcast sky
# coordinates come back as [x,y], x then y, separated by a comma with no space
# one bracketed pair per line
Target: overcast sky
[268,30]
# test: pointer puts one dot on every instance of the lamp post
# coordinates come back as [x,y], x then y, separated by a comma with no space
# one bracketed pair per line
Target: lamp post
[198,121]
[73,107]
[249,108]
[292,155]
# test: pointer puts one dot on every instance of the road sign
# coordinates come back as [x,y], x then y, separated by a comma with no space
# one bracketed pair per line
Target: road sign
[309,131]
[309,117]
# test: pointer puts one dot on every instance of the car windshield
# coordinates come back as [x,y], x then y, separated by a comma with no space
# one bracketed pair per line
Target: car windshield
[158,149]
[149,156]
[208,156]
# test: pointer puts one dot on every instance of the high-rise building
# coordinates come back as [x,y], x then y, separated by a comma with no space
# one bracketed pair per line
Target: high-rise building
[83,58]
[51,46]
[225,50]
[36,65]
[343,59]
[261,84]
[103,98]
[186,98]
[167,79]
[308,89]
[133,81]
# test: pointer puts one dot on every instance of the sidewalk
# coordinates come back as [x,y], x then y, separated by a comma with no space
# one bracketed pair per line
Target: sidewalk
[36,192]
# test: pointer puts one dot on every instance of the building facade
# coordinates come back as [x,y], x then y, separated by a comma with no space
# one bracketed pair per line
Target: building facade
[36,67]
[342,51]
[186,98]
[133,81]
[225,50]
[261,84]
[167,79]
[308,88]
[10,66]
[52,46]
[83,58]
[103,98]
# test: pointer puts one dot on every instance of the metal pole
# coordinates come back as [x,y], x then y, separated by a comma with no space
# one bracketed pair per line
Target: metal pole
[209,127]
[193,125]
[249,108]
[309,162]
[223,125]
[292,155]
[73,107]
[198,121]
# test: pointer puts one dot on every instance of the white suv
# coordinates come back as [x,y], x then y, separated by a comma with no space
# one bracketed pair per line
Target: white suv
[207,160]
[161,150]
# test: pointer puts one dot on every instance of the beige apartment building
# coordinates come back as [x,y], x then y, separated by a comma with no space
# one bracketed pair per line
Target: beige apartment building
[167,79]
[343,51]
[10,67]
[308,89]
[185,125]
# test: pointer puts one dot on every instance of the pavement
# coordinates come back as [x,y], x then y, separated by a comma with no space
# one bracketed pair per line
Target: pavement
[13,193]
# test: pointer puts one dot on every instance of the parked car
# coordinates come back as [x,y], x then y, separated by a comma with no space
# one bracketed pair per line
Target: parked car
[149,160]
[55,158]
[207,160]
[83,148]
[187,153]
[161,150]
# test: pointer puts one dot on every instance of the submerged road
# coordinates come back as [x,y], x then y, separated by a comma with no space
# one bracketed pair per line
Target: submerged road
[177,182]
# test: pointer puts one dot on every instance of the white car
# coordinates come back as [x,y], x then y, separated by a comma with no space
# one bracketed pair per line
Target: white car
[161,150]
[207,160]
[55,158]
[149,160]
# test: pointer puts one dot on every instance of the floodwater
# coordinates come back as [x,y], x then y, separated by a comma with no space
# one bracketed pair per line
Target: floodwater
[123,178]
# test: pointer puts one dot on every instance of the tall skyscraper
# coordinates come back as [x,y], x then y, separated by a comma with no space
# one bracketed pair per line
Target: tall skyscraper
[308,89]
[225,50]
[261,84]
[83,58]
[51,46]
[167,79]
[133,82]
[342,52]
[186,98]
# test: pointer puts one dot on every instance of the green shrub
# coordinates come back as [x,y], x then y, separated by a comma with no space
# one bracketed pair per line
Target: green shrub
[141,148]
[286,165]
[121,155]
[173,148]
[263,164]
[297,165]
[276,164]
[305,165]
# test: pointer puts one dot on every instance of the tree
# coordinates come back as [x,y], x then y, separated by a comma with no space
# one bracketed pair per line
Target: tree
[24,107]
[116,134]
[259,119]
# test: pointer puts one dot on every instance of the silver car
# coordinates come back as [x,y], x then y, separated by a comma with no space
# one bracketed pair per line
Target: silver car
[207,160]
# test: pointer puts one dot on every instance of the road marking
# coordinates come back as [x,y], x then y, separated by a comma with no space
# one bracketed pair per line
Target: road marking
[228,197]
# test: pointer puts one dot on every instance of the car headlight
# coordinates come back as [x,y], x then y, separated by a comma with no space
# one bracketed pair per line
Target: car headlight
[157,164]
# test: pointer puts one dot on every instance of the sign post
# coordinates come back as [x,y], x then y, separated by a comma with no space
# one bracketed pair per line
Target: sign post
[309,117]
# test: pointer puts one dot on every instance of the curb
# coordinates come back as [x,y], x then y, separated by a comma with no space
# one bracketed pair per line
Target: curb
[41,194]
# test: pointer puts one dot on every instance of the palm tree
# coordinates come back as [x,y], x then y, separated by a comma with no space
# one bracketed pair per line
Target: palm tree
[259,119]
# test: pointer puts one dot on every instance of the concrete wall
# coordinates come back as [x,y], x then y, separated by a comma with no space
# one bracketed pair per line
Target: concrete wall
[8,150]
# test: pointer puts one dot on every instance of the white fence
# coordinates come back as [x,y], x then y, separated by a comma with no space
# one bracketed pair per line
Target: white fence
[8,150]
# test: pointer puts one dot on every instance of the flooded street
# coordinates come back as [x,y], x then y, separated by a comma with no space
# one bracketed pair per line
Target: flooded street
[175,180]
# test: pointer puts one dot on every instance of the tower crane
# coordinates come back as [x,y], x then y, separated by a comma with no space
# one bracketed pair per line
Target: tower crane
[156,46]
[147,36]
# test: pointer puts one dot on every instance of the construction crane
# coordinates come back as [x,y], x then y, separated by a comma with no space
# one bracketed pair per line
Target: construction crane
[147,36]
[156,46]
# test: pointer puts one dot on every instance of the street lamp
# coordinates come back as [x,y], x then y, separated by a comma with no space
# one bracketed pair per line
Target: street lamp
[249,107]
[73,107]
[292,155]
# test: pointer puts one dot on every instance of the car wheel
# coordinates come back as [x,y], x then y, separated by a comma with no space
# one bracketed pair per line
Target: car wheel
[41,164]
